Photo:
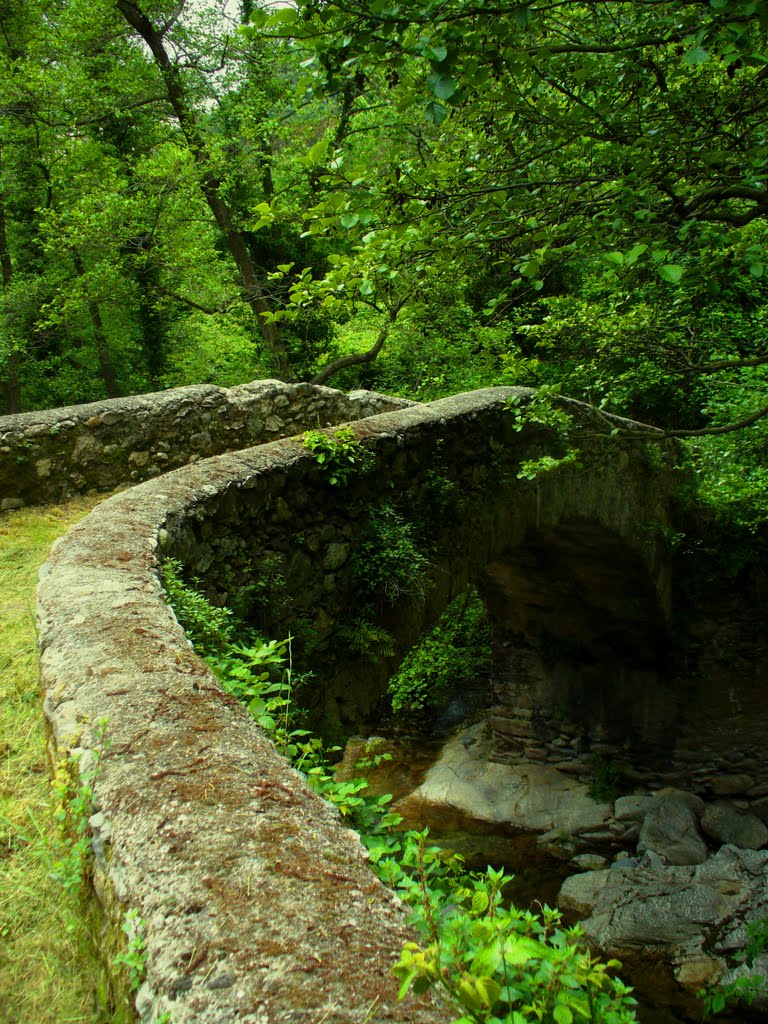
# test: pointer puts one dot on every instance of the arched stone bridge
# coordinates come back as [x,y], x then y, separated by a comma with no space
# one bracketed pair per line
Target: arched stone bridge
[258,906]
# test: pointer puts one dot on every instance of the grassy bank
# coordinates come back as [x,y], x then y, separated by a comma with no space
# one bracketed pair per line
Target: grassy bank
[48,971]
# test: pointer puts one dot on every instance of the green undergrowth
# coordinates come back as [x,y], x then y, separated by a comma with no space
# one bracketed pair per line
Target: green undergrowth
[489,962]
[456,649]
[48,968]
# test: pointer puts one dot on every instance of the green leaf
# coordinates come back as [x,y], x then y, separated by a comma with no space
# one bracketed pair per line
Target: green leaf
[480,902]
[318,152]
[531,268]
[756,269]
[349,220]
[562,1014]
[671,272]
[443,86]
[436,53]
[489,991]
[696,56]
[522,17]
[435,112]
[635,252]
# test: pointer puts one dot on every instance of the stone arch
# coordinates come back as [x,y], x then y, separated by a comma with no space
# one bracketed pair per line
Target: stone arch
[583,652]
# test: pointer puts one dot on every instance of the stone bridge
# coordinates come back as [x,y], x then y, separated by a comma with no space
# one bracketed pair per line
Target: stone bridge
[257,905]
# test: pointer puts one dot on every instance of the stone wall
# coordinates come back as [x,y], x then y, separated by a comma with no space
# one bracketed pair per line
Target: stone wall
[55,454]
[257,905]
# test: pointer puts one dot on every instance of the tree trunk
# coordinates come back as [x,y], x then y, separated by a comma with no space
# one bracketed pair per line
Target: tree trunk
[10,382]
[253,290]
[99,337]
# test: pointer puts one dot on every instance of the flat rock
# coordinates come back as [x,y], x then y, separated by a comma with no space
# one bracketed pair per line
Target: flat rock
[532,798]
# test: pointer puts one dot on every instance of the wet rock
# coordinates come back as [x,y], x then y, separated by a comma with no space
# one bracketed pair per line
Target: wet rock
[724,823]
[669,829]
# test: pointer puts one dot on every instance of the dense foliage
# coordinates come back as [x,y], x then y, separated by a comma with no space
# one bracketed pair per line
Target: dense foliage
[421,196]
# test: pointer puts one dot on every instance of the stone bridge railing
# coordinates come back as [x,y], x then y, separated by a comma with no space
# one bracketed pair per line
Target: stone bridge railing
[54,454]
[257,906]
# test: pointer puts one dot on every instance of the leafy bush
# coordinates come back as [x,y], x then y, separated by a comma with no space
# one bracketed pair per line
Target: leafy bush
[458,647]
[339,455]
[208,628]
[387,563]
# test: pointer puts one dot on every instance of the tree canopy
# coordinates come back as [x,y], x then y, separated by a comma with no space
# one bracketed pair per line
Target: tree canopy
[420,196]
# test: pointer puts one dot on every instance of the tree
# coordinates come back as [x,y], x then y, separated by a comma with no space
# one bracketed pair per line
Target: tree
[179,98]
[547,137]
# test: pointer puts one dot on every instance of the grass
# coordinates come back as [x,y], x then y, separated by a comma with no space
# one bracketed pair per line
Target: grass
[48,968]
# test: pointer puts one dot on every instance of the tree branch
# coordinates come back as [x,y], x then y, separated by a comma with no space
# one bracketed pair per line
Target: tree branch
[208,310]
[728,428]
[730,364]
[357,358]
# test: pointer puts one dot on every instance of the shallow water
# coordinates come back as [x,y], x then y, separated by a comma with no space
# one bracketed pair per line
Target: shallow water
[537,880]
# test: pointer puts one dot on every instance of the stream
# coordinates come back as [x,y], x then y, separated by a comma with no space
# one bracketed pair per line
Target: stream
[538,876]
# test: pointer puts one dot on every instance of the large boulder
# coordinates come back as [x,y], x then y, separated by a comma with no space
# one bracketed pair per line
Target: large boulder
[669,829]
[464,789]
[685,915]
[724,823]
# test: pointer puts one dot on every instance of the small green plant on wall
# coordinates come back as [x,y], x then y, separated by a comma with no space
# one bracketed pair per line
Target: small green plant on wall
[72,788]
[134,956]
[339,455]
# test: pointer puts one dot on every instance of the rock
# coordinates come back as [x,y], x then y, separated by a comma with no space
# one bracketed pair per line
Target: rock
[589,861]
[691,800]
[581,893]
[760,808]
[632,808]
[7,504]
[722,822]
[698,972]
[531,798]
[728,785]
[335,556]
[673,913]
[625,862]
[652,860]
[669,829]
